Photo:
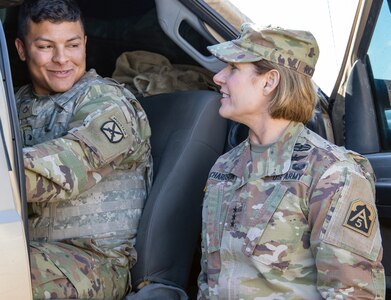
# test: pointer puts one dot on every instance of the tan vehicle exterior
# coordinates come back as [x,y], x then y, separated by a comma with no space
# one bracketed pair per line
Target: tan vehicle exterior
[14,264]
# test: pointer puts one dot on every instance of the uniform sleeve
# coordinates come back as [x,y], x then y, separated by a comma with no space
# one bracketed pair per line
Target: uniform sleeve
[345,237]
[203,291]
[106,132]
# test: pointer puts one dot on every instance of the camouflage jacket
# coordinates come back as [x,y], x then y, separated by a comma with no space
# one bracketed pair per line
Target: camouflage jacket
[87,162]
[299,222]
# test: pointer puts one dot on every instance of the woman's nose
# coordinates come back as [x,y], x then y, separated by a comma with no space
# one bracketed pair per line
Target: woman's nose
[219,78]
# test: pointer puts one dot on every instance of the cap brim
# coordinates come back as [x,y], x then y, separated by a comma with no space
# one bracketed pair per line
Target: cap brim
[230,52]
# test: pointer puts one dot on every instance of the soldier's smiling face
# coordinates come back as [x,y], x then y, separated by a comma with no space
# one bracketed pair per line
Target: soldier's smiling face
[55,54]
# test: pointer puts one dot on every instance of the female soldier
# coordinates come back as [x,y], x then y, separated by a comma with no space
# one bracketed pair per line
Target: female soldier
[287,215]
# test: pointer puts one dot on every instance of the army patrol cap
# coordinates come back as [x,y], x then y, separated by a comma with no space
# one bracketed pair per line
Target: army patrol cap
[294,49]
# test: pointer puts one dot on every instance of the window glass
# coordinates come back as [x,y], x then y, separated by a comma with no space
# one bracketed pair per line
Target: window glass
[380,47]
[329,21]
[380,62]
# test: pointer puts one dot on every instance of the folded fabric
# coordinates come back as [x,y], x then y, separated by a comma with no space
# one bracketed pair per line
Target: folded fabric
[146,73]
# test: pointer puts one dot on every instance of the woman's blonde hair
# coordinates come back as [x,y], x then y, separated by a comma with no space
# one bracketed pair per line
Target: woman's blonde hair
[295,97]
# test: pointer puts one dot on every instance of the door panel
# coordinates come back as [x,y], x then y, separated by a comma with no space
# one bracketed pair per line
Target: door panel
[15,280]
[14,262]
[171,14]
[368,115]
[362,135]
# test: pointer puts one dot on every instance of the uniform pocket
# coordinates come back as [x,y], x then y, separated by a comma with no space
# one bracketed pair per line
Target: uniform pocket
[212,216]
[281,232]
[255,232]
[60,259]
[352,222]
[107,134]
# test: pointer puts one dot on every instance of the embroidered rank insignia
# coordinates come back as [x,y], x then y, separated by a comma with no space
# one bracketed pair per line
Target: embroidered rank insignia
[112,131]
[360,217]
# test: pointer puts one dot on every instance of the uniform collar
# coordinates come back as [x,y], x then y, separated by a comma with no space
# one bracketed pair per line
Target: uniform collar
[276,160]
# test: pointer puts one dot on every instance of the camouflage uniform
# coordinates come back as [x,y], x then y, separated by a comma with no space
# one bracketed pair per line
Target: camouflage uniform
[88,168]
[296,221]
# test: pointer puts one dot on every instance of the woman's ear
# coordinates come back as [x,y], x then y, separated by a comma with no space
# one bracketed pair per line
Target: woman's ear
[20,48]
[271,81]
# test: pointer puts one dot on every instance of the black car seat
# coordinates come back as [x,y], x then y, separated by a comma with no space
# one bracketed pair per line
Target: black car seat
[188,135]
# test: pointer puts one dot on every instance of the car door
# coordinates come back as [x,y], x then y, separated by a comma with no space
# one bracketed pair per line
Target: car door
[363,101]
[15,280]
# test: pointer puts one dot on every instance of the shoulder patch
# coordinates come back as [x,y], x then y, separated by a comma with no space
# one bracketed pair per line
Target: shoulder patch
[112,130]
[360,217]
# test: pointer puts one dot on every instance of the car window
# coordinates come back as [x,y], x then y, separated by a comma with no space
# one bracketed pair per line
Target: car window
[329,20]
[380,64]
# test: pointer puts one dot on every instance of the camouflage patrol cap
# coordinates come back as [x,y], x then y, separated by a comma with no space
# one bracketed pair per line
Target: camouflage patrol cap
[294,49]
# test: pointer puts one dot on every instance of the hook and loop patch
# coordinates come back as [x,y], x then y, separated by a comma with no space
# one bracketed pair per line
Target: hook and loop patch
[112,131]
[360,217]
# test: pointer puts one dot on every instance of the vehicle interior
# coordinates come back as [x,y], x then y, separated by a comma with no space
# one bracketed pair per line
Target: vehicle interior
[187,133]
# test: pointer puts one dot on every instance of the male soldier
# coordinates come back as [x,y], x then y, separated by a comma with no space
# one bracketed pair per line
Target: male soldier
[87,160]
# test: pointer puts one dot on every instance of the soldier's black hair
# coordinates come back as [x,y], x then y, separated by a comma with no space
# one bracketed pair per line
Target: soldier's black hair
[55,11]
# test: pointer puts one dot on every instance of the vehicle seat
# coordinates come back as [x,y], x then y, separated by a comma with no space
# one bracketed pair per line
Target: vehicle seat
[188,135]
